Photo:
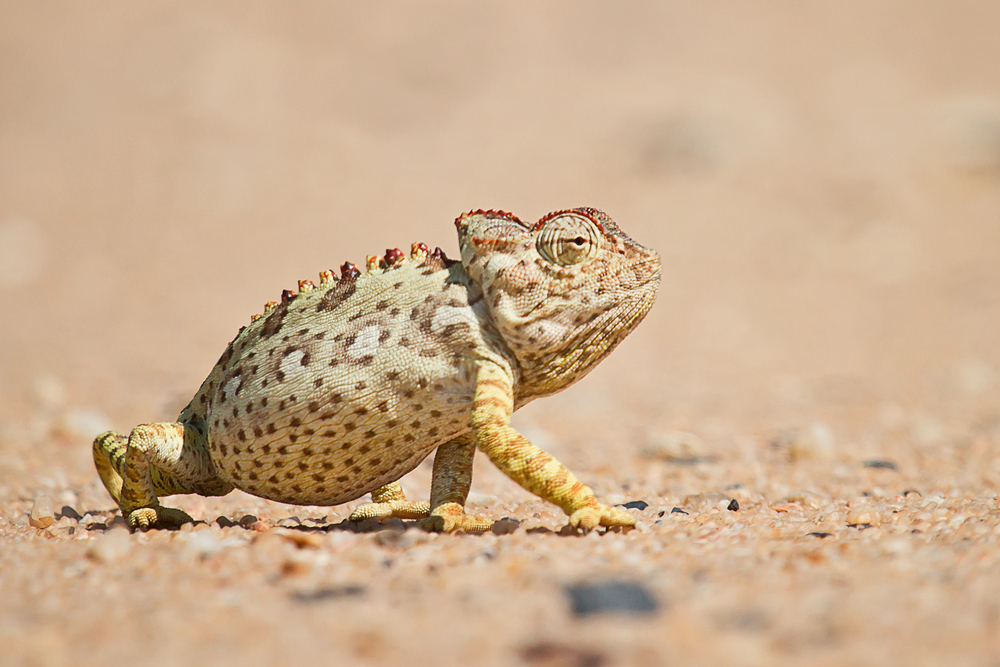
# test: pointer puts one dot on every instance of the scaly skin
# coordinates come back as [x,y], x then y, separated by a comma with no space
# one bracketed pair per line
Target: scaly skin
[343,388]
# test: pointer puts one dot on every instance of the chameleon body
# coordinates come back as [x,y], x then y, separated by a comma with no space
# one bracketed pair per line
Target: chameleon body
[345,386]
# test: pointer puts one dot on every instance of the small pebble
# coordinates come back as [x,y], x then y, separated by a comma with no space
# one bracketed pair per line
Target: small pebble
[505,526]
[820,535]
[881,464]
[326,593]
[551,653]
[41,515]
[678,510]
[635,505]
[806,499]
[626,597]
[733,506]
[674,446]
[302,539]
[69,512]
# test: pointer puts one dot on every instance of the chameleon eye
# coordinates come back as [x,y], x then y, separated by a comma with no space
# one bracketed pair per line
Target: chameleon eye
[567,240]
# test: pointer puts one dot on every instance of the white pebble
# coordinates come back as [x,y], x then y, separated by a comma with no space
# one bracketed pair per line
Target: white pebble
[42,515]
[815,441]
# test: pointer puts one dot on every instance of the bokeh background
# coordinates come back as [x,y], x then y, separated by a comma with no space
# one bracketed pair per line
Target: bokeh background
[821,179]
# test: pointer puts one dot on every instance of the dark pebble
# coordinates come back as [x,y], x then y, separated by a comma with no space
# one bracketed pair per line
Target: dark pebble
[328,593]
[733,506]
[636,505]
[611,597]
[677,510]
[820,535]
[859,526]
[881,464]
[68,511]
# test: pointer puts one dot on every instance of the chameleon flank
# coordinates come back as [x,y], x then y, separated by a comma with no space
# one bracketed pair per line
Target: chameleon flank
[342,388]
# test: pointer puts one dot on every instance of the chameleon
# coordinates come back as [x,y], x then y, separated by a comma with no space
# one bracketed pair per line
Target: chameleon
[343,387]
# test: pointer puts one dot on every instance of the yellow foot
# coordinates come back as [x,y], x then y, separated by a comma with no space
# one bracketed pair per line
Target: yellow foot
[399,509]
[145,518]
[592,516]
[451,517]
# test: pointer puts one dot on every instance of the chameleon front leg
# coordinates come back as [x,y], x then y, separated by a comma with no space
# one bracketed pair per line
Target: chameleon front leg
[528,465]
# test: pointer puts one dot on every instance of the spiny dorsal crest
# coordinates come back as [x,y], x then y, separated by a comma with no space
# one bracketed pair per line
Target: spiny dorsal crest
[393,259]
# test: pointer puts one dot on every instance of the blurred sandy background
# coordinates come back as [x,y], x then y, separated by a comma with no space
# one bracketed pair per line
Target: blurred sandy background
[821,179]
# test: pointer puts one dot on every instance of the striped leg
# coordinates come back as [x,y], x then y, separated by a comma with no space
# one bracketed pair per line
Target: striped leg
[531,467]
[390,501]
[450,487]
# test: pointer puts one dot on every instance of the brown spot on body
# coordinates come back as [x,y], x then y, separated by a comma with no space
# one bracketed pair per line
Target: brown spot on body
[335,296]
[273,322]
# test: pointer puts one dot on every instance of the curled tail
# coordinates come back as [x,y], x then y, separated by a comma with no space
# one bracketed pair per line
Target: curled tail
[109,459]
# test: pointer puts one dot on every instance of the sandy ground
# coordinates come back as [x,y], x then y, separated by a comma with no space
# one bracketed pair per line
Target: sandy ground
[821,179]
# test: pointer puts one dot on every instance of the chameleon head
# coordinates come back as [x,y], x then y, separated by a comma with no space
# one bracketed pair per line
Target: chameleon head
[562,292]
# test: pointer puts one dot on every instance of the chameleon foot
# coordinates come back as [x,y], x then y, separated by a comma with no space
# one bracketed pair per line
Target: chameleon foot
[145,518]
[400,509]
[592,516]
[451,517]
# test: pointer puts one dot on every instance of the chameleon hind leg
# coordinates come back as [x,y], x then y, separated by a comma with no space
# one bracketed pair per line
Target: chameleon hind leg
[450,485]
[155,460]
[387,502]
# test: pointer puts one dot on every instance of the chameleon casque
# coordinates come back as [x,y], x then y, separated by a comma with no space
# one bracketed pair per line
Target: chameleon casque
[344,387]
